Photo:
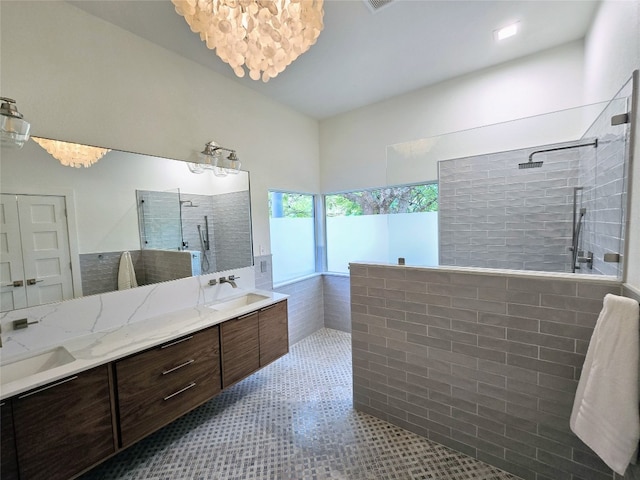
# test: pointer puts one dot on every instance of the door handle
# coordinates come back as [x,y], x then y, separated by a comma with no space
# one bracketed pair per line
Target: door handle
[16,283]
[32,281]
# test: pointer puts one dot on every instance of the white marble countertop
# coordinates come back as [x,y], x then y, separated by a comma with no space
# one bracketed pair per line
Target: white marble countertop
[100,348]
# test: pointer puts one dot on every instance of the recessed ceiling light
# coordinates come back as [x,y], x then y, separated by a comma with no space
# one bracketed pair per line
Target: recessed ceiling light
[506,32]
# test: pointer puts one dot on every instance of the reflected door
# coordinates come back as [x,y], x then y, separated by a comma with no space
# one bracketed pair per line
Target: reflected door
[13,293]
[42,251]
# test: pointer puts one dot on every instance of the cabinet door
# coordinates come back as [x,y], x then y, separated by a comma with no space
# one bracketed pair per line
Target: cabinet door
[8,458]
[161,384]
[64,428]
[240,348]
[274,332]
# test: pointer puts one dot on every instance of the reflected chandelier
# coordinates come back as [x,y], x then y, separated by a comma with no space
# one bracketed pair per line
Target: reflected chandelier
[71,154]
[263,35]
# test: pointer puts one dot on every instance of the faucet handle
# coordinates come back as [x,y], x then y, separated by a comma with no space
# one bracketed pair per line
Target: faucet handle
[233,277]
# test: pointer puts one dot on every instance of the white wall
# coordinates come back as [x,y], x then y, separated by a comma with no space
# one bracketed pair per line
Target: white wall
[353,145]
[80,79]
[612,52]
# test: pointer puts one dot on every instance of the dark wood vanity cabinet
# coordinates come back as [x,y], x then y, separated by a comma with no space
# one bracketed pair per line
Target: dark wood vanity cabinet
[252,341]
[274,332]
[8,455]
[240,344]
[159,385]
[65,427]
[60,430]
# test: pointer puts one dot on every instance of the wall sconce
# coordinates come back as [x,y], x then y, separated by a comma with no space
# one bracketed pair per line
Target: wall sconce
[14,131]
[211,158]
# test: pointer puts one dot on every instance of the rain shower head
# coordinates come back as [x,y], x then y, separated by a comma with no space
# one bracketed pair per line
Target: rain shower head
[532,164]
[529,164]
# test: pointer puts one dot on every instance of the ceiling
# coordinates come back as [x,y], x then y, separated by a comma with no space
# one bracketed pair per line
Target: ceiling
[363,57]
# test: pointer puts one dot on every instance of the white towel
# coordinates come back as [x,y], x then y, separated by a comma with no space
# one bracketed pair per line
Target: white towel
[126,273]
[605,409]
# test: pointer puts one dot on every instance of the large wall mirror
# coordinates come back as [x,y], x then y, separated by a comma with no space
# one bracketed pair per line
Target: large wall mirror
[127,220]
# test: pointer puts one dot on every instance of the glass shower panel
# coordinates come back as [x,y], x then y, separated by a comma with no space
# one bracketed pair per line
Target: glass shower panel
[159,219]
[604,177]
[544,193]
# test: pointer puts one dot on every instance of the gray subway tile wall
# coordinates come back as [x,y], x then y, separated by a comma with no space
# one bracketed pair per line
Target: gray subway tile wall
[159,219]
[164,265]
[305,307]
[99,271]
[229,229]
[493,214]
[491,372]
[336,299]
[197,213]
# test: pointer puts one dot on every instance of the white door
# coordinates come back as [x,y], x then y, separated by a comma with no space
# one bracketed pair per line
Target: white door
[44,242]
[13,293]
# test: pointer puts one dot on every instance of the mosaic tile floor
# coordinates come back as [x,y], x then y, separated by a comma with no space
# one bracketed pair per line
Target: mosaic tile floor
[293,420]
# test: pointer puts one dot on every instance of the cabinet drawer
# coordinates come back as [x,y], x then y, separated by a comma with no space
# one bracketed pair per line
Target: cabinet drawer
[157,386]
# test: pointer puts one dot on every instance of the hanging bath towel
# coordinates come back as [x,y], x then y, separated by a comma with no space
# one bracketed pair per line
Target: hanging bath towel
[126,273]
[605,409]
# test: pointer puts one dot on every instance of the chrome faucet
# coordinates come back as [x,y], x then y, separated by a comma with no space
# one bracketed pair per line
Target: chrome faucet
[230,280]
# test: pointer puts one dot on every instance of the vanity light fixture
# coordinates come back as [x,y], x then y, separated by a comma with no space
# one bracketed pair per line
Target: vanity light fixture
[263,35]
[507,31]
[14,130]
[72,154]
[211,158]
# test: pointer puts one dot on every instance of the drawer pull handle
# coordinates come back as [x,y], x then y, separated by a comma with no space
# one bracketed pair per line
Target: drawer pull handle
[245,316]
[188,362]
[176,342]
[191,385]
[269,307]
[47,387]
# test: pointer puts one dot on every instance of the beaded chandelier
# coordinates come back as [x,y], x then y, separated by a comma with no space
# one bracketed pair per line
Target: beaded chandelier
[264,36]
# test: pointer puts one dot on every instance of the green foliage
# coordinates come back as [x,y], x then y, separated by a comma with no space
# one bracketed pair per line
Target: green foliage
[389,200]
[293,205]
[339,205]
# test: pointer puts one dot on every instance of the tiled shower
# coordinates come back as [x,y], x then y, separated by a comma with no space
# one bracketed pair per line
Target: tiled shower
[181,235]
[494,214]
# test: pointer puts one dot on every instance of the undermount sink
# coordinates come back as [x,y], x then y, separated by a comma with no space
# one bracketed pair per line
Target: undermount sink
[238,302]
[35,364]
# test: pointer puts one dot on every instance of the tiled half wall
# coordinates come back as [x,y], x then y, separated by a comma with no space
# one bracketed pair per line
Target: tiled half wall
[486,364]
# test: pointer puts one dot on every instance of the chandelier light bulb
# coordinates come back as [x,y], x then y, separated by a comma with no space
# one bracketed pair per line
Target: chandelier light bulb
[261,36]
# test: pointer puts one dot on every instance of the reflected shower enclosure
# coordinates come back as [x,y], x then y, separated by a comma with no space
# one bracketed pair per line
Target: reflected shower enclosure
[195,232]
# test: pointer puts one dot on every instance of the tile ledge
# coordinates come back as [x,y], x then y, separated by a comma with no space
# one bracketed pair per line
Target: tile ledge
[499,272]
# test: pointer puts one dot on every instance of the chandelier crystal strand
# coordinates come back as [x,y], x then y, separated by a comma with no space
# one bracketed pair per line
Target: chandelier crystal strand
[263,36]
[71,154]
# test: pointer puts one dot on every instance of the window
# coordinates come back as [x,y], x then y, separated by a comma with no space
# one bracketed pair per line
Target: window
[292,229]
[381,225]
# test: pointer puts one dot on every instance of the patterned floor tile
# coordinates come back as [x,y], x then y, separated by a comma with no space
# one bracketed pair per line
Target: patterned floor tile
[293,420]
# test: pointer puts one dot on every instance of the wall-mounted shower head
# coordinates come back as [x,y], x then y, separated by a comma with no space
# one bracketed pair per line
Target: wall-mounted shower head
[532,164]
[529,164]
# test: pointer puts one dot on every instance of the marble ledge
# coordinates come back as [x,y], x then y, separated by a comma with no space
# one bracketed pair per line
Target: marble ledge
[94,349]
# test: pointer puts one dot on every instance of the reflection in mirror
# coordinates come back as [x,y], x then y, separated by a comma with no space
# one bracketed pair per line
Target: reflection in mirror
[64,230]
